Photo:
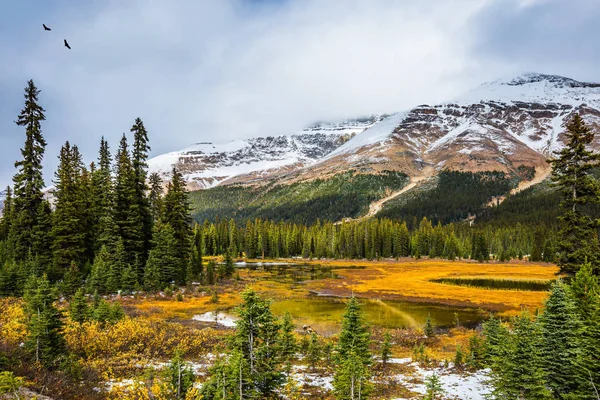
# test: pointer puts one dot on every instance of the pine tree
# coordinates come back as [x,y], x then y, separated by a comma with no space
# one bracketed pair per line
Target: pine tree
[494,344]
[434,387]
[129,279]
[103,198]
[28,181]
[518,372]
[177,215]
[72,280]
[180,376]
[163,256]
[350,381]
[78,308]
[386,349]
[588,358]
[571,173]
[429,329]
[100,271]
[44,341]
[256,336]
[125,200]
[584,289]
[69,241]
[155,196]
[560,326]
[288,345]
[353,355]
[141,207]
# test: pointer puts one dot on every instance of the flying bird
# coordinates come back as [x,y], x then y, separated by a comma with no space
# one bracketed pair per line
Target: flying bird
[67,45]
[46,28]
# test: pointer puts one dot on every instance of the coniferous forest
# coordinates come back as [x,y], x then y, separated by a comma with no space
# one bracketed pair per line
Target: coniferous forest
[94,277]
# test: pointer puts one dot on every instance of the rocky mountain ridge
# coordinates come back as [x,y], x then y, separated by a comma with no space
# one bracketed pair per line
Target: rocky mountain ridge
[501,125]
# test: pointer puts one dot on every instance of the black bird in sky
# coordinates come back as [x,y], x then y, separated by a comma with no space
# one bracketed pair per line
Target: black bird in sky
[67,45]
[46,28]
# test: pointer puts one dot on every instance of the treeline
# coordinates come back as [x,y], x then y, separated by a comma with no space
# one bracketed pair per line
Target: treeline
[375,238]
[109,225]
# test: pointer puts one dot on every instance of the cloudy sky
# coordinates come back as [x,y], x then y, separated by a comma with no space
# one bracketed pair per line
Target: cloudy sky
[216,70]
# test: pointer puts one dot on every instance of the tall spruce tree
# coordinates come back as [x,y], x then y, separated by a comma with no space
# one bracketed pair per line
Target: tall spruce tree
[44,340]
[125,200]
[560,327]
[141,208]
[256,338]
[155,196]
[69,225]
[177,215]
[571,173]
[353,358]
[28,181]
[103,197]
[518,373]
[163,258]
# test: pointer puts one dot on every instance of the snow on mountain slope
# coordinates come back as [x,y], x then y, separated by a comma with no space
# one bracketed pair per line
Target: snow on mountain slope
[208,164]
[377,133]
[500,125]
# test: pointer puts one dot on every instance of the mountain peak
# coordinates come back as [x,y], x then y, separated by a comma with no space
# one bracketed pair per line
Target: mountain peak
[553,80]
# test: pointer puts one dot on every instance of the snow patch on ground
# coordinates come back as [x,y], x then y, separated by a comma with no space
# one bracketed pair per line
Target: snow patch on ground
[219,318]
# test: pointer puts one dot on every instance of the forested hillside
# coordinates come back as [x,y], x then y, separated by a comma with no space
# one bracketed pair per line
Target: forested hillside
[343,195]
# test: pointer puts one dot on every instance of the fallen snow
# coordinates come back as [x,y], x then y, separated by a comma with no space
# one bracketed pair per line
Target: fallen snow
[219,318]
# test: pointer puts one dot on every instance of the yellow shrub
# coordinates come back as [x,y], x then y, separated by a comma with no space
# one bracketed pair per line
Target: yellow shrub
[13,328]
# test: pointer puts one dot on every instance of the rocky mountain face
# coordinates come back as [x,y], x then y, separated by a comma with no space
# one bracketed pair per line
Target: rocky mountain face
[208,164]
[500,126]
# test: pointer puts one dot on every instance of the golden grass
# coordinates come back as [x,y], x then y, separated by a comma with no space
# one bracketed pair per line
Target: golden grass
[411,280]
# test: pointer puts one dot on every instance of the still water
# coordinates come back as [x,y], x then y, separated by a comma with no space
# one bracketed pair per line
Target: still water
[322,312]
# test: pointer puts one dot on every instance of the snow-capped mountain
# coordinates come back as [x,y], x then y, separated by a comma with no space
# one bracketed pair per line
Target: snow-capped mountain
[500,125]
[208,164]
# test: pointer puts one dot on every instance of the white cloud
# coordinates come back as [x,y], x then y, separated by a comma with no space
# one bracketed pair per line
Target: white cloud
[223,69]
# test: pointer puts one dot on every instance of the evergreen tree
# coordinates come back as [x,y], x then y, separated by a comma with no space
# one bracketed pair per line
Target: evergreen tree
[588,357]
[571,173]
[494,344]
[44,341]
[103,198]
[72,280]
[180,377]
[177,215]
[100,271]
[125,201]
[163,257]
[350,381]
[69,241]
[429,329]
[560,326]
[584,289]
[518,372]
[313,353]
[141,208]
[434,388]
[287,341]
[78,308]
[256,338]
[386,349]
[155,196]
[353,355]
[28,181]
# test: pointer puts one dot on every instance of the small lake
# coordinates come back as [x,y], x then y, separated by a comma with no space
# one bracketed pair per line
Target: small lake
[322,312]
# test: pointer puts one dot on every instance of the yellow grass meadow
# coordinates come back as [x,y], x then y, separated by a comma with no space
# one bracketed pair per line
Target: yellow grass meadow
[412,281]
